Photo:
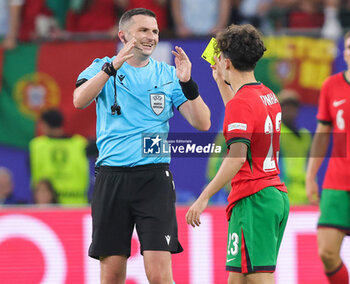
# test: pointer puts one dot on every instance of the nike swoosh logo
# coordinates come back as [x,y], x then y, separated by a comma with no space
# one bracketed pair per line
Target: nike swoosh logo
[338,103]
[230,259]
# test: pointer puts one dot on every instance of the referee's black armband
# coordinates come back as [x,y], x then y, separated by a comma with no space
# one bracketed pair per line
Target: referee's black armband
[80,82]
[190,89]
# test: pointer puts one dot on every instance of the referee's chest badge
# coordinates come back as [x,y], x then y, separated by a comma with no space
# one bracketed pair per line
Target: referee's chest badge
[157,103]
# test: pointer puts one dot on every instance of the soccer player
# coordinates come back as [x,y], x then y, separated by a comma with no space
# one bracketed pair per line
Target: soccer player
[135,95]
[334,222]
[258,204]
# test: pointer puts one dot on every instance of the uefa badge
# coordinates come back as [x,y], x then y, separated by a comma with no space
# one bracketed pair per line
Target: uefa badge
[157,103]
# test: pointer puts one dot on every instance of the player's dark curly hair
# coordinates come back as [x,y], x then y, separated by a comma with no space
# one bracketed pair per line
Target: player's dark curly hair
[241,44]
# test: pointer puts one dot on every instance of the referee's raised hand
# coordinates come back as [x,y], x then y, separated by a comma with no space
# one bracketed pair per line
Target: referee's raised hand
[124,54]
[183,64]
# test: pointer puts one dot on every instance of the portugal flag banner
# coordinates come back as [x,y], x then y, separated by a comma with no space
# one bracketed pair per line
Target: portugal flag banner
[35,77]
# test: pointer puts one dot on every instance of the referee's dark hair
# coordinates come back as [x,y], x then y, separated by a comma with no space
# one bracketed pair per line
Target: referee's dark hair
[53,118]
[241,44]
[133,12]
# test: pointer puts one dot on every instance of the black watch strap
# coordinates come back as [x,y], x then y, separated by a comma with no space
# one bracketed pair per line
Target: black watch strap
[109,69]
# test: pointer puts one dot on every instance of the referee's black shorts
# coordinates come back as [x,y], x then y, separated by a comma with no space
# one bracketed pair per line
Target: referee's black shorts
[124,197]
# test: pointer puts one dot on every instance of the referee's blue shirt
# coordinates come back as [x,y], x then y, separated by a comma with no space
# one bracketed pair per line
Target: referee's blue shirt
[119,137]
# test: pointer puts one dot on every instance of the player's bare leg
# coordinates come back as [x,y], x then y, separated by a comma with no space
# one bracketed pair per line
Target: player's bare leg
[158,267]
[329,244]
[113,269]
[236,278]
[260,278]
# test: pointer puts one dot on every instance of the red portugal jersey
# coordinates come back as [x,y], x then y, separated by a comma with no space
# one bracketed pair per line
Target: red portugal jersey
[253,117]
[334,109]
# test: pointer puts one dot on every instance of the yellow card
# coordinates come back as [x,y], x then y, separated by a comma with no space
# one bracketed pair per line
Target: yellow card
[209,52]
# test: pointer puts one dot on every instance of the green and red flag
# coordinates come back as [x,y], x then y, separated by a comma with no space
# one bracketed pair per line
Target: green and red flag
[35,77]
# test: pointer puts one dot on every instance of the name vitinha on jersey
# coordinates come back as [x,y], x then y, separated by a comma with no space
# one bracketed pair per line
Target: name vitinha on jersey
[269,99]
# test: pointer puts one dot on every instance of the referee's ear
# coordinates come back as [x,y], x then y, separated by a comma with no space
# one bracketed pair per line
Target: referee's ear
[121,36]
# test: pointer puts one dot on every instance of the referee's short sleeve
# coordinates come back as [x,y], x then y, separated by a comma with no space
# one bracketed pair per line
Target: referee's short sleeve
[91,71]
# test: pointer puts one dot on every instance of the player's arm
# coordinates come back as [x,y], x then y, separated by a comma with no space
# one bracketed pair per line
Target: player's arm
[88,91]
[318,151]
[230,166]
[195,111]
[10,40]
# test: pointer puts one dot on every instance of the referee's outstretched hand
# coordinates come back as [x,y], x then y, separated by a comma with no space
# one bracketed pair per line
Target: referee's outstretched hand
[124,54]
[183,64]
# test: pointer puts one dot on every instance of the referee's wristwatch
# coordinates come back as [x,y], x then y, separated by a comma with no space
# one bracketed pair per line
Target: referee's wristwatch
[109,69]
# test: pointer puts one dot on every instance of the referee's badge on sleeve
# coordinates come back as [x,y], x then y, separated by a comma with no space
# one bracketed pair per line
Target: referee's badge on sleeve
[157,103]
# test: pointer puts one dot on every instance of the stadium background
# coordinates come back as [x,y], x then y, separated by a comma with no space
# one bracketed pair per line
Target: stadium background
[48,245]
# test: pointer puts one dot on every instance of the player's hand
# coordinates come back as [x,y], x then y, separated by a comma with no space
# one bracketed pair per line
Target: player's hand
[124,54]
[217,73]
[193,214]
[312,191]
[183,64]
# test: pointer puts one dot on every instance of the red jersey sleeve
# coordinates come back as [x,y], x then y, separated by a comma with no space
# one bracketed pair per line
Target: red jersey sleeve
[238,122]
[323,113]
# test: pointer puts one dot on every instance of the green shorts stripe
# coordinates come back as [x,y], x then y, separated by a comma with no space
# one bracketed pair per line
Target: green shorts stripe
[255,231]
[335,210]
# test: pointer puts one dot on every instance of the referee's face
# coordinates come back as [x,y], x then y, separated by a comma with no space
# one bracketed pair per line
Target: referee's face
[145,30]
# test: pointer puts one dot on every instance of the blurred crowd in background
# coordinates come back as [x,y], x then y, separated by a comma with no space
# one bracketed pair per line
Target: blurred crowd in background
[28,20]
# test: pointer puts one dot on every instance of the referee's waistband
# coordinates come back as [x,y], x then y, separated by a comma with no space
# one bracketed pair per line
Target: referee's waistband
[133,169]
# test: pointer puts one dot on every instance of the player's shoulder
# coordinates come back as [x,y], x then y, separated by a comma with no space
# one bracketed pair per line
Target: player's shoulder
[333,79]
[79,139]
[238,102]
[38,140]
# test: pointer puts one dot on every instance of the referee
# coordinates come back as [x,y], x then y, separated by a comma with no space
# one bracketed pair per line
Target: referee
[134,95]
